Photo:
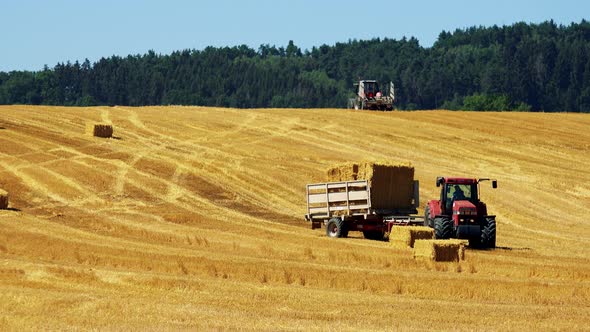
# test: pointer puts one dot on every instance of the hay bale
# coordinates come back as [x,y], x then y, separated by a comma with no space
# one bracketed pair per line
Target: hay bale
[407,235]
[440,250]
[3,199]
[99,130]
[398,244]
[392,185]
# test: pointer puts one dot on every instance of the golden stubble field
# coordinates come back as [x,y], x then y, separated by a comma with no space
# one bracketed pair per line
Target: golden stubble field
[192,218]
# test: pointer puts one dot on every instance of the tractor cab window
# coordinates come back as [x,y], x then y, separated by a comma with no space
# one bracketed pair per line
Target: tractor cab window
[459,192]
[371,89]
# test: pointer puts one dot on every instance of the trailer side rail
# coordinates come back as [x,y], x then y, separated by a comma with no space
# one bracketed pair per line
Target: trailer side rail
[338,198]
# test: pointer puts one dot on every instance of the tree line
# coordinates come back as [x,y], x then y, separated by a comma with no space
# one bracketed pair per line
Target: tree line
[525,67]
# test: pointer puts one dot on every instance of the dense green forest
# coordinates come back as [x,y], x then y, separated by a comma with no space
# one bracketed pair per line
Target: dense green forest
[527,67]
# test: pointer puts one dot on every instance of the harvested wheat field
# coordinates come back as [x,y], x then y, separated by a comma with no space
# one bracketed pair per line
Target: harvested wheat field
[193,219]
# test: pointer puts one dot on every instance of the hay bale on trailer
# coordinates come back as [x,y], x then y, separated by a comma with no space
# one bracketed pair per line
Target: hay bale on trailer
[404,237]
[3,199]
[99,130]
[392,185]
[440,250]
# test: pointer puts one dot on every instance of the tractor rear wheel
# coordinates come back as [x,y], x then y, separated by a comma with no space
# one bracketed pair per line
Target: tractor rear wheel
[443,227]
[335,228]
[488,233]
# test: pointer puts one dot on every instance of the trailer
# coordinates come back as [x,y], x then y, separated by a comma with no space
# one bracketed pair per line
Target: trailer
[346,206]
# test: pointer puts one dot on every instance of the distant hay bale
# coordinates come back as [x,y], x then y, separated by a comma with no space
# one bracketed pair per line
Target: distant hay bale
[99,130]
[440,250]
[392,185]
[405,236]
[3,199]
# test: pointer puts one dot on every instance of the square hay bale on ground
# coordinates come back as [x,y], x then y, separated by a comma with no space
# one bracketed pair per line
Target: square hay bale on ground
[3,199]
[392,185]
[407,235]
[99,130]
[440,250]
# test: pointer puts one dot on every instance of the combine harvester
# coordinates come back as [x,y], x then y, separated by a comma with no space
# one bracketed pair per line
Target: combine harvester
[370,97]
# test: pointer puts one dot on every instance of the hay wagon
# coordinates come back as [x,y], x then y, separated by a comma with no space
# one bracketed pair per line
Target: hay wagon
[372,207]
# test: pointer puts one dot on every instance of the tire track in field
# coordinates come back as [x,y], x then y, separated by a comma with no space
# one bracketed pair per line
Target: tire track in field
[109,219]
[120,182]
[158,142]
[46,190]
[33,184]
[28,141]
[124,169]
[203,205]
[105,116]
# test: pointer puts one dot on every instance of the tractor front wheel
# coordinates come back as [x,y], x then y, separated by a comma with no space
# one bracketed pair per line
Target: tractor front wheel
[488,233]
[443,228]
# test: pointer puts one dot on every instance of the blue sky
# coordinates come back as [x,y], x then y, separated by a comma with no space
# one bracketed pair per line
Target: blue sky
[38,32]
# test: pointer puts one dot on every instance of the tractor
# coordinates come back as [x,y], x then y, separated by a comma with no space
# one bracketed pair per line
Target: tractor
[369,96]
[459,213]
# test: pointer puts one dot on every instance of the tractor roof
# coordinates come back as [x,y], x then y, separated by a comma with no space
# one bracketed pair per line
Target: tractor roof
[460,180]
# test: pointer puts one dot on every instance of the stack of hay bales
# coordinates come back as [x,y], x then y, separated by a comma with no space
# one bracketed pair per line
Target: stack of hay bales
[3,199]
[405,236]
[440,250]
[99,130]
[392,185]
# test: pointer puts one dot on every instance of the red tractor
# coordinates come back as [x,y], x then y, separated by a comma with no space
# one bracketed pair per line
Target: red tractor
[460,214]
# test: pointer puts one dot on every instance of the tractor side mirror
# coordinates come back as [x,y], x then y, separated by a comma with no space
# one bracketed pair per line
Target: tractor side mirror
[494,184]
[439,181]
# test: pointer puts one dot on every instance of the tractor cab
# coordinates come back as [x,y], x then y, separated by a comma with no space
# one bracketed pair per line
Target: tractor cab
[369,89]
[458,190]
[460,196]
